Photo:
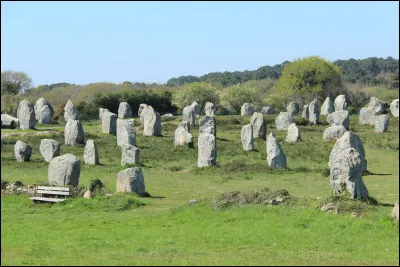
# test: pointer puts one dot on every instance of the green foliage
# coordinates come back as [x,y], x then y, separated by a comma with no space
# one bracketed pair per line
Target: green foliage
[310,77]
[9,102]
[201,92]
[236,95]
[14,82]
[95,185]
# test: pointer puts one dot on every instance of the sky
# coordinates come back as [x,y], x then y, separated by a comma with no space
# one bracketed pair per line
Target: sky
[87,42]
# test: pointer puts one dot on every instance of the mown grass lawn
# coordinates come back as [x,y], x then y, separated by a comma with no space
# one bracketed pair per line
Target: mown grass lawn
[165,230]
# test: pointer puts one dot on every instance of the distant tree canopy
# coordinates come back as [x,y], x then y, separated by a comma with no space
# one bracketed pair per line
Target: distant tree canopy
[236,95]
[307,78]
[14,82]
[201,92]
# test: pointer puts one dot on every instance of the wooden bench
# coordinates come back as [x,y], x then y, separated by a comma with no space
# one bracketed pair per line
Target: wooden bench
[45,191]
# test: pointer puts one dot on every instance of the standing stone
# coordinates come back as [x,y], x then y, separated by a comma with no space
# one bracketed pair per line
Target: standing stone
[186,125]
[381,123]
[109,123]
[141,107]
[247,137]
[90,154]
[70,111]
[327,107]
[152,122]
[293,134]
[283,120]
[6,120]
[183,137]
[394,108]
[207,125]
[73,133]
[259,126]
[306,113]
[101,112]
[349,140]
[126,132]
[247,109]
[376,105]
[168,115]
[275,156]
[130,154]
[209,109]
[131,180]
[188,115]
[43,115]
[395,211]
[267,110]
[334,132]
[346,173]
[367,116]
[26,115]
[196,108]
[64,170]
[340,103]
[124,110]
[313,112]
[207,154]
[339,118]
[22,151]
[293,108]
[49,149]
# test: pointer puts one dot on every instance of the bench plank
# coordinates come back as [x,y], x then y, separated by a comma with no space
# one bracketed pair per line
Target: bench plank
[47,199]
[66,189]
[39,191]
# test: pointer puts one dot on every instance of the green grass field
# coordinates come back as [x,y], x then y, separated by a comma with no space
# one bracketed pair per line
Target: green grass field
[165,230]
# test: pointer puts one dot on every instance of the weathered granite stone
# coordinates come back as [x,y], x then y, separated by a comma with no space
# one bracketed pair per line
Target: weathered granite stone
[346,169]
[313,112]
[109,123]
[49,149]
[124,110]
[381,123]
[22,151]
[247,137]
[131,180]
[207,125]
[43,115]
[293,108]
[267,110]
[90,154]
[339,118]
[141,107]
[367,116]
[334,132]
[64,170]
[101,112]
[259,126]
[183,137]
[207,151]
[247,109]
[340,103]
[7,119]
[209,109]
[293,133]
[151,122]
[168,115]
[395,211]
[327,107]
[70,111]
[26,115]
[88,194]
[349,140]
[130,154]
[188,115]
[283,120]
[186,125]
[275,156]
[376,105]
[196,108]
[394,108]
[306,113]
[73,133]
[126,132]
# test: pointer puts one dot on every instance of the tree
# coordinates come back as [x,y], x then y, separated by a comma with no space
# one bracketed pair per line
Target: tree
[310,77]
[236,95]
[14,82]
[201,92]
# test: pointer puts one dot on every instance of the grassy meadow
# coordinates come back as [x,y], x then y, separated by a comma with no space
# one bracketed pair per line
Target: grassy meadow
[164,229]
